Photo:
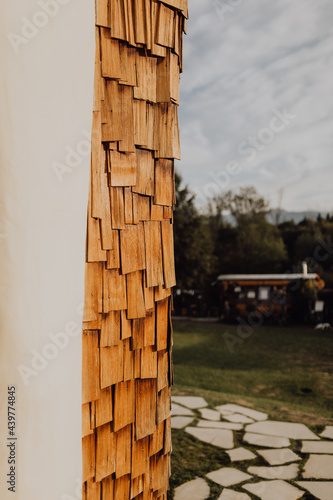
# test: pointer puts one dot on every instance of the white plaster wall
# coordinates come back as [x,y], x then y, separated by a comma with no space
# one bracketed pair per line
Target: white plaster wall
[46,98]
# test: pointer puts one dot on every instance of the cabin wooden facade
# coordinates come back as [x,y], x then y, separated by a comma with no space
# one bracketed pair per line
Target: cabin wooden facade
[269,295]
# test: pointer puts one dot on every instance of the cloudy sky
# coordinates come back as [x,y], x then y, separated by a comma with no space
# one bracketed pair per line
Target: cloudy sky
[246,64]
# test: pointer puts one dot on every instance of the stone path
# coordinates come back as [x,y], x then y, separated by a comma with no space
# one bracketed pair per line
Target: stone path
[274,461]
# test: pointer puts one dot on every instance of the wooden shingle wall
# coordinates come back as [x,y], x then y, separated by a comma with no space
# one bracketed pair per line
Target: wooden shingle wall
[127,333]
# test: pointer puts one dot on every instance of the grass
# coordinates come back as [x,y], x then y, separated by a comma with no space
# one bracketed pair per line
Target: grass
[287,372]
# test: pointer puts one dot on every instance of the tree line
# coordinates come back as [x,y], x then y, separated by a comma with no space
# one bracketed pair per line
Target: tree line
[234,236]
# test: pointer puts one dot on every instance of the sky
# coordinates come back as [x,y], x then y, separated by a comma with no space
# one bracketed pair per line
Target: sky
[257,100]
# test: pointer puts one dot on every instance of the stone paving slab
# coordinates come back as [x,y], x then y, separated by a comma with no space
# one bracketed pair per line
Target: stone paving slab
[197,489]
[228,476]
[220,425]
[210,414]
[317,447]
[274,439]
[222,438]
[320,489]
[238,418]
[180,410]
[192,402]
[282,429]
[328,432]
[274,490]
[248,412]
[280,472]
[233,495]
[180,422]
[279,457]
[266,441]
[225,412]
[240,454]
[319,467]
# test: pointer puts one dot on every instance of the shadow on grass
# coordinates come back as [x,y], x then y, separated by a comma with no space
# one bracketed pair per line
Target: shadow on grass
[192,458]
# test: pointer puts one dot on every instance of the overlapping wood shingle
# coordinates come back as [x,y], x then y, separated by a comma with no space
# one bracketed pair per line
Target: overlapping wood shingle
[127,334]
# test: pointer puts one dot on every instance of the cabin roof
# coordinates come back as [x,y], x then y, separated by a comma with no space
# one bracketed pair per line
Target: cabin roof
[267,277]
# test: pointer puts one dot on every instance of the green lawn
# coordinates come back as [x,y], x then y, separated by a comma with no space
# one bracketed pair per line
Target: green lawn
[285,371]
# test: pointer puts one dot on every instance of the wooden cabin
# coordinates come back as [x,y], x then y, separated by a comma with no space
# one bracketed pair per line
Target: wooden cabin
[272,295]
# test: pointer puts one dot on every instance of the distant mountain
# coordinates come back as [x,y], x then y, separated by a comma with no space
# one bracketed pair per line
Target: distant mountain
[284,216]
[295,216]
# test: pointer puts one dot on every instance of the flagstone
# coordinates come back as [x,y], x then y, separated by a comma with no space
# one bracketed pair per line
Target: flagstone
[317,447]
[192,402]
[266,441]
[240,454]
[228,476]
[210,414]
[237,417]
[197,489]
[319,467]
[180,422]
[282,429]
[232,408]
[280,472]
[220,425]
[180,410]
[320,489]
[222,438]
[233,495]
[279,457]
[328,432]
[274,490]
[225,412]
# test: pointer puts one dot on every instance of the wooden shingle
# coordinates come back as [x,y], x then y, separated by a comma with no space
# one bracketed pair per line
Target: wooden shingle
[113,256]
[114,291]
[165,26]
[164,183]
[128,359]
[148,362]
[140,457]
[124,404]
[110,55]
[123,169]
[132,244]
[168,254]
[135,298]
[145,173]
[90,366]
[104,407]
[93,291]
[110,329]
[118,21]
[105,452]
[140,123]
[102,13]
[88,457]
[153,243]
[124,451]
[145,408]
[162,324]
[112,365]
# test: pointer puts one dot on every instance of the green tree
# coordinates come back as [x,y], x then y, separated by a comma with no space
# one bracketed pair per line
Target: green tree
[247,206]
[193,243]
[253,245]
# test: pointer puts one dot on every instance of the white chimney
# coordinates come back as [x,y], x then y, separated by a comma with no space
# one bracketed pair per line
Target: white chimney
[305,268]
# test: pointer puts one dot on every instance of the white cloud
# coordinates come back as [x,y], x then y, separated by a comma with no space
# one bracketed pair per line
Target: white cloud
[264,55]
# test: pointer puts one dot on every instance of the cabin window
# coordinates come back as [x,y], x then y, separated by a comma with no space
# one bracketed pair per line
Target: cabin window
[251,294]
[263,293]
